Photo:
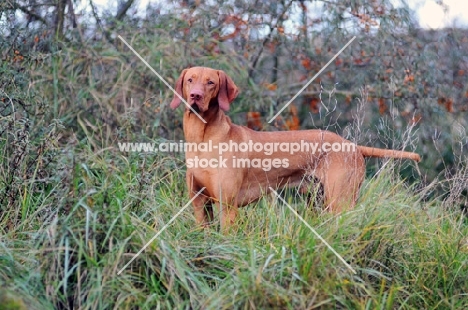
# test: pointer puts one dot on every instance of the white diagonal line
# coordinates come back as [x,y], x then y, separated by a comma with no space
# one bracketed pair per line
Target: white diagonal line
[162,229]
[162,79]
[313,230]
[312,79]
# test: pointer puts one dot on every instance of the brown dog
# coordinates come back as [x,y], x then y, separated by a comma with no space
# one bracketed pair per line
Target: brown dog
[237,170]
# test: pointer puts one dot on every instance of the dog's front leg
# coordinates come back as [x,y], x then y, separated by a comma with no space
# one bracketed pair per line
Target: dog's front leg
[203,210]
[228,213]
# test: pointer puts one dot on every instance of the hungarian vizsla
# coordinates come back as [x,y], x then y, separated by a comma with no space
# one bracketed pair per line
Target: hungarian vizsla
[241,164]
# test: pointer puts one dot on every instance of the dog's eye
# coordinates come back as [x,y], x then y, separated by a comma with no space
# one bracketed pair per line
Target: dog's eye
[189,80]
[210,83]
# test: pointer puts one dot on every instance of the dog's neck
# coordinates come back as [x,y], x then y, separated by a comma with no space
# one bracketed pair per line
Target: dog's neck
[217,125]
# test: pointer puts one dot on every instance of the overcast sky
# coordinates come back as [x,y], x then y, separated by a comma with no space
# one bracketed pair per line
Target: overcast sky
[431,15]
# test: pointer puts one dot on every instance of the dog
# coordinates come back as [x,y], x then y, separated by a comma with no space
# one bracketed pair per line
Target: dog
[234,177]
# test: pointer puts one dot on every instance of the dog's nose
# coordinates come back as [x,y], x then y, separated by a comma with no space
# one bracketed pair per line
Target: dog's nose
[196,95]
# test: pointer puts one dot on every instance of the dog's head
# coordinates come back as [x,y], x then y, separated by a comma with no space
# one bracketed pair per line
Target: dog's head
[199,85]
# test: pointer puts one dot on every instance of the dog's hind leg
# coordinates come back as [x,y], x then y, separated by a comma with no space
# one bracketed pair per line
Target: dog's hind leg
[342,179]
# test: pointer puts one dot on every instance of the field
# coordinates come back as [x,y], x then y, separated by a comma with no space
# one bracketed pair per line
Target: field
[407,252]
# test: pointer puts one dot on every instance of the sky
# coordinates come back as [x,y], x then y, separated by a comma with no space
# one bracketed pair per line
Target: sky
[429,13]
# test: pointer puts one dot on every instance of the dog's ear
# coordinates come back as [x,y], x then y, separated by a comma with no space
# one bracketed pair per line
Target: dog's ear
[178,88]
[228,91]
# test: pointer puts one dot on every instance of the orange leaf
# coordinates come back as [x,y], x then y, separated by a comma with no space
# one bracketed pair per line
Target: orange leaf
[254,120]
[293,122]
[306,63]
[269,86]
[382,106]
[409,78]
[449,105]
[314,105]
[358,61]
[348,99]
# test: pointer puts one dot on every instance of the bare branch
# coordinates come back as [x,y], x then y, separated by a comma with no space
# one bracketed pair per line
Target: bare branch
[123,8]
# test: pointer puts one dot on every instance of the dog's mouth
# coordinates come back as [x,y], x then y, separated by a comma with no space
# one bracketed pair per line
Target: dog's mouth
[195,107]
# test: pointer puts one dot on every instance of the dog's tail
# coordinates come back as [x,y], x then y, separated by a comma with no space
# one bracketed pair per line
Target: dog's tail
[382,153]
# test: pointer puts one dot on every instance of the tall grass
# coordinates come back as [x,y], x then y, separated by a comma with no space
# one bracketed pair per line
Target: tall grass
[408,252]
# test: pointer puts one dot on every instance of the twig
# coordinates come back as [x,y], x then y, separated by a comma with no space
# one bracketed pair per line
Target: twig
[268,37]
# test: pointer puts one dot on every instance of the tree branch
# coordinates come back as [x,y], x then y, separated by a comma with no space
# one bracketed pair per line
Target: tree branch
[31,14]
[123,8]
[268,38]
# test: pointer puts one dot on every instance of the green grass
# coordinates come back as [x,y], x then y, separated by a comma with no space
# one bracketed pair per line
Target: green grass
[408,253]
